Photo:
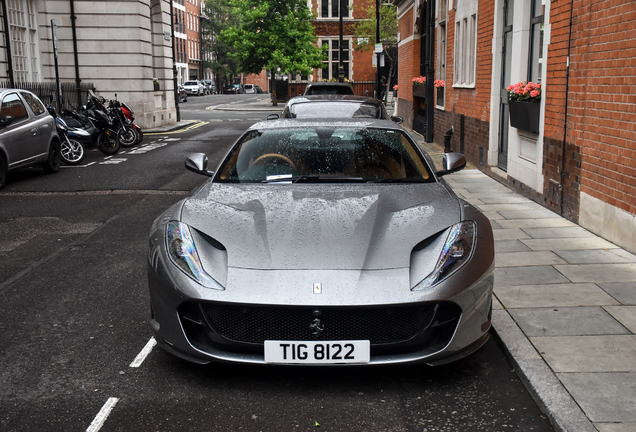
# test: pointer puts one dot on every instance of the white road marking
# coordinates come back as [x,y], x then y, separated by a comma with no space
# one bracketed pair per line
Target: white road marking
[99,420]
[113,161]
[144,353]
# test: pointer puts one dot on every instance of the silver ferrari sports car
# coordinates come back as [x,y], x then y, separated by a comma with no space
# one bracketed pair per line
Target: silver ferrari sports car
[322,242]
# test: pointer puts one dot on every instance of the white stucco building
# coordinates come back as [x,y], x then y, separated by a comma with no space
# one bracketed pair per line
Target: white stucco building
[119,46]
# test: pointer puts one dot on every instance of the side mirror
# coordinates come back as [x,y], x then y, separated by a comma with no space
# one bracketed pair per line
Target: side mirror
[6,121]
[397,119]
[452,162]
[273,116]
[198,163]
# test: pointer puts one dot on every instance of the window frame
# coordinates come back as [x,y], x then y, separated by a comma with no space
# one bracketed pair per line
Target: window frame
[465,50]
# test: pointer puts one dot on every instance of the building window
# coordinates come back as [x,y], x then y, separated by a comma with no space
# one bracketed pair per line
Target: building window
[330,8]
[331,65]
[535,71]
[24,40]
[465,44]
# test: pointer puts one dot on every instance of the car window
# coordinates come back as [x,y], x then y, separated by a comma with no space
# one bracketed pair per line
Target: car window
[190,83]
[248,87]
[325,89]
[334,110]
[323,153]
[36,105]
[13,106]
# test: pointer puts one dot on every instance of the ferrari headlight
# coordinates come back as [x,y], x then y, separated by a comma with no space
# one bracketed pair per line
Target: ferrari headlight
[456,252]
[184,254]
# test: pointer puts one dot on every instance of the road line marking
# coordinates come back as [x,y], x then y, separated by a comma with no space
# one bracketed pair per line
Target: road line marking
[144,353]
[99,420]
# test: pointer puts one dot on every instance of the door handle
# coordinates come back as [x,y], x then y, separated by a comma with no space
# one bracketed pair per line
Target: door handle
[35,131]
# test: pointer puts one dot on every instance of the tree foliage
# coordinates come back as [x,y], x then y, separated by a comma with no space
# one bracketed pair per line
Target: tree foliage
[273,34]
[365,29]
[219,17]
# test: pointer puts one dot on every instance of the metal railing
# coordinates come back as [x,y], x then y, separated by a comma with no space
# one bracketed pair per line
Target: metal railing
[47,91]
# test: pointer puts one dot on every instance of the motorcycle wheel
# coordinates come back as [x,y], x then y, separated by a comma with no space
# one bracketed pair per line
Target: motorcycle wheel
[72,152]
[108,143]
[140,135]
[127,137]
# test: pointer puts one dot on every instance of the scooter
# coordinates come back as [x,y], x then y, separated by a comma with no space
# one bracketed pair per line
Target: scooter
[130,115]
[72,151]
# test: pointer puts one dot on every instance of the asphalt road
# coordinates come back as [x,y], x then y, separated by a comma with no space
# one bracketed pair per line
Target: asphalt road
[74,320]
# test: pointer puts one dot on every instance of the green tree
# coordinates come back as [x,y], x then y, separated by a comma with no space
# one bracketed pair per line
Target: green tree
[365,30]
[275,35]
[218,17]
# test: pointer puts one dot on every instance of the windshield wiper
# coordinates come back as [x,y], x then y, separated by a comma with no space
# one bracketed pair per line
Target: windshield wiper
[326,179]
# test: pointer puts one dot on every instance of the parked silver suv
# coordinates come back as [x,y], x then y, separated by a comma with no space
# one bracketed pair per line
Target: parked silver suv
[27,134]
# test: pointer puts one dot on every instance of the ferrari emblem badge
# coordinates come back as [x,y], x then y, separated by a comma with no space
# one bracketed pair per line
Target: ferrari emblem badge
[317,288]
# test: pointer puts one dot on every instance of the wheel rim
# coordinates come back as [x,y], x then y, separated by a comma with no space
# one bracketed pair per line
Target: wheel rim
[72,152]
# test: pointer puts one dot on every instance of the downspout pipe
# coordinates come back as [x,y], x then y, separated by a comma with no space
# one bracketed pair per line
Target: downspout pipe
[7,38]
[565,120]
[78,81]
[430,70]
[174,63]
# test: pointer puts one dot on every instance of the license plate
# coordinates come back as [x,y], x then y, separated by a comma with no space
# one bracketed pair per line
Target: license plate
[324,352]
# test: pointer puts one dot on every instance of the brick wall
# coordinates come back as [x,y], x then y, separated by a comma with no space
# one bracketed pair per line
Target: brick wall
[600,156]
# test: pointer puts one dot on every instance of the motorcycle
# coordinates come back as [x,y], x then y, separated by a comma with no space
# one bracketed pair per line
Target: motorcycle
[93,125]
[129,114]
[72,151]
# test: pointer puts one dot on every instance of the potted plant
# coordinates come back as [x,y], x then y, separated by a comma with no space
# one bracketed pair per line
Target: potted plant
[395,89]
[419,87]
[525,105]
[155,83]
[439,86]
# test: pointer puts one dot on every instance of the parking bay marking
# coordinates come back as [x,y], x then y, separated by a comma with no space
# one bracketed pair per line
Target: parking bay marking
[144,353]
[99,420]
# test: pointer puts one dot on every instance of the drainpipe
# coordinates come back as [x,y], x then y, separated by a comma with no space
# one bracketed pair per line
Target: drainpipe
[565,120]
[174,63]
[7,38]
[77,75]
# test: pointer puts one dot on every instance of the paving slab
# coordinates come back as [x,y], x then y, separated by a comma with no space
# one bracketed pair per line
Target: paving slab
[604,397]
[615,427]
[506,199]
[536,223]
[624,292]
[599,272]
[559,295]
[569,244]
[598,256]
[510,234]
[607,353]
[567,321]
[558,232]
[510,246]
[626,315]
[537,275]
[525,207]
[525,214]
[533,258]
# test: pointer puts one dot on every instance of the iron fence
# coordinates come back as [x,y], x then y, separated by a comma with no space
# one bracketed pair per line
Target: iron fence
[46,91]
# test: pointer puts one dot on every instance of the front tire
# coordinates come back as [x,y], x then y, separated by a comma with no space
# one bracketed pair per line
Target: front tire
[108,143]
[72,152]
[127,137]
[140,135]
[52,164]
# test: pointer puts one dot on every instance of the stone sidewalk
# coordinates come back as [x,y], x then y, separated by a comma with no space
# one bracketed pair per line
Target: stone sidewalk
[565,307]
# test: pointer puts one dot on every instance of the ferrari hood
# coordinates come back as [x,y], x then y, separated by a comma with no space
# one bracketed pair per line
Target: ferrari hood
[320,226]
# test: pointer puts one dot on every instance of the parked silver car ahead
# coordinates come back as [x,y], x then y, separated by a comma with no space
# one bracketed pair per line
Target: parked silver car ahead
[27,134]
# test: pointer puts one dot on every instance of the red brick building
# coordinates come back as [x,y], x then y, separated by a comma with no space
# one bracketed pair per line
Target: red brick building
[588,101]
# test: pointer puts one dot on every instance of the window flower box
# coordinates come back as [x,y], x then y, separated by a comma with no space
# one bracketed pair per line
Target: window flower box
[524,115]
[419,91]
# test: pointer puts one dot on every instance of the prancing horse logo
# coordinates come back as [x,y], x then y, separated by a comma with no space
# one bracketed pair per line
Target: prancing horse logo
[317,327]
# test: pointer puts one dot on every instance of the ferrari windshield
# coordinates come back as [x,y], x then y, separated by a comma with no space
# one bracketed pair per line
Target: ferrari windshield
[324,154]
[334,109]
